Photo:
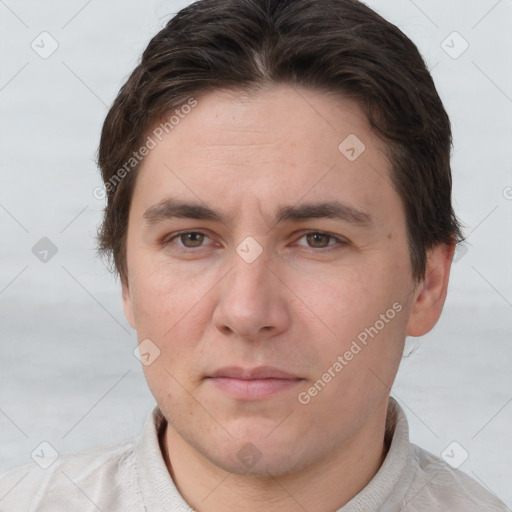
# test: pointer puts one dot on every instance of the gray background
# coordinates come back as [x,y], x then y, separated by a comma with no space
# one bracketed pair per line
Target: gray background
[67,369]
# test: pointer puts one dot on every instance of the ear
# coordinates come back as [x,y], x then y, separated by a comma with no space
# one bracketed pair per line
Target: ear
[430,294]
[127,305]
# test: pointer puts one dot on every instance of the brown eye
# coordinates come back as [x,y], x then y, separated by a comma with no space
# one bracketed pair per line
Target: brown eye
[322,241]
[319,240]
[192,239]
[186,241]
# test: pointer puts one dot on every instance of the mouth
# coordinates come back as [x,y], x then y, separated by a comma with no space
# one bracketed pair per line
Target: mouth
[252,383]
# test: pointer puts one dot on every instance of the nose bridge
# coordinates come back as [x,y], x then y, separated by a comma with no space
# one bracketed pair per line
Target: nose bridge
[250,275]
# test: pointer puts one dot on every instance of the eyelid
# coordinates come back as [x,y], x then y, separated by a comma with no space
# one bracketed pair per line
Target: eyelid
[168,239]
[340,241]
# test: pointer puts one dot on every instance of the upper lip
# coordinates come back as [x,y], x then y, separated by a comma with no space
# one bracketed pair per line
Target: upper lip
[261,372]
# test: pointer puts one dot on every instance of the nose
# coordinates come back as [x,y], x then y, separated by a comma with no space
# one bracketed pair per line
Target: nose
[253,302]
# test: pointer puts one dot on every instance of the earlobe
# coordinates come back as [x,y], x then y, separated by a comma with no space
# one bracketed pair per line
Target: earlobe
[430,294]
[127,306]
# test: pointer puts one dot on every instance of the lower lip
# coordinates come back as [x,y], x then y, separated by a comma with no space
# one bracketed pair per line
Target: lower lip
[254,389]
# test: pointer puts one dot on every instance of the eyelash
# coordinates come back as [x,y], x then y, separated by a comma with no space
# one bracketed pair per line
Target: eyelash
[339,241]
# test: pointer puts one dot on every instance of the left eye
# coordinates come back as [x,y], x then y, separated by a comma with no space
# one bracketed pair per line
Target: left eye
[195,239]
[321,240]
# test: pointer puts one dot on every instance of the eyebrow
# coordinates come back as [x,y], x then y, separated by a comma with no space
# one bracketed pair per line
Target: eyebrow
[176,208]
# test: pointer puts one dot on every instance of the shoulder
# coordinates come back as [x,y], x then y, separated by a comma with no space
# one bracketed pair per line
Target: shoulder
[99,477]
[436,486]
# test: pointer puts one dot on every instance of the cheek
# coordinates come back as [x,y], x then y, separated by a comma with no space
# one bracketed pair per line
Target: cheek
[366,316]
[348,301]
[163,297]
[167,312]
[172,309]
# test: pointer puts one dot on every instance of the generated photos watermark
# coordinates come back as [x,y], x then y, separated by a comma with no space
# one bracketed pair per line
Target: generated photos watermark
[342,361]
[151,143]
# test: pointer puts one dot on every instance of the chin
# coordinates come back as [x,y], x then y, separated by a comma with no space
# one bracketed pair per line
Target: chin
[249,459]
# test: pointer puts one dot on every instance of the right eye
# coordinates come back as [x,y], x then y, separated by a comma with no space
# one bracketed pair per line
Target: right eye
[188,240]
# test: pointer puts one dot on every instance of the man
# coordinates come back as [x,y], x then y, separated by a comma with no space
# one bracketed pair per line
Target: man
[279,212]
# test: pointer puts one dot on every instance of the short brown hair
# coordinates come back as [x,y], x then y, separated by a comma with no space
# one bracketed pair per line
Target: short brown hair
[338,46]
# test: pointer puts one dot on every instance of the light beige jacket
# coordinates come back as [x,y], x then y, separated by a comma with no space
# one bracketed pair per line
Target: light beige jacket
[131,476]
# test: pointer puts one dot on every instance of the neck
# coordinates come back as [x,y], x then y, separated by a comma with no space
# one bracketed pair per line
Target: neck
[324,486]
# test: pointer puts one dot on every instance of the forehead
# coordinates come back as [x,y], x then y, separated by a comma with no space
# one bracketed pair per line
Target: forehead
[276,120]
[281,145]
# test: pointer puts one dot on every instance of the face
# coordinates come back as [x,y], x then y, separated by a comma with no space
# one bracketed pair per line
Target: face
[257,242]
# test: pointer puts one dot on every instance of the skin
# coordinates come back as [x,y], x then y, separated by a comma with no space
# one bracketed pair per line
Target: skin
[298,306]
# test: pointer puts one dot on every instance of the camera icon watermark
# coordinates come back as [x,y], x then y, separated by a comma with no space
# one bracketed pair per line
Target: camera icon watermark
[507,193]
[44,455]
[455,455]
[454,45]
[459,253]
[44,250]
[249,250]
[249,455]
[352,147]
[45,45]
[146,352]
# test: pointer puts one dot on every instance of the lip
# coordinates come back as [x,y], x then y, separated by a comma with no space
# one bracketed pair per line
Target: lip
[252,383]
[260,372]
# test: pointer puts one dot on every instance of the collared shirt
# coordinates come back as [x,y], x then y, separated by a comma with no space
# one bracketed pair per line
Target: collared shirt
[132,476]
